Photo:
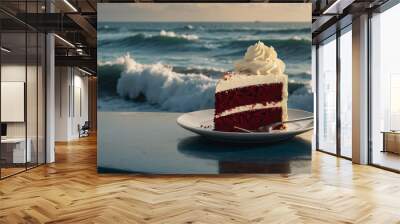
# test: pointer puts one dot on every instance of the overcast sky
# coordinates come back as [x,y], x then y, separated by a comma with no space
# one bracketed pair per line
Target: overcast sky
[203,12]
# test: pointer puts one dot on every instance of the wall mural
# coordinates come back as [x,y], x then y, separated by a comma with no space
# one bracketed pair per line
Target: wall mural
[204,88]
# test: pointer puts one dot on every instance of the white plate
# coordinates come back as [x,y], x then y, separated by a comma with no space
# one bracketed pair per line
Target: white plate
[195,122]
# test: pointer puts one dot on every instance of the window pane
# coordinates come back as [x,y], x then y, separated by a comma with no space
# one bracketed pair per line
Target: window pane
[346,94]
[385,84]
[327,96]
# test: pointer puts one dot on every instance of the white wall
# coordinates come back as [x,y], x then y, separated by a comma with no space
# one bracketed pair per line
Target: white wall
[33,126]
[70,83]
[15,73]
[62,81]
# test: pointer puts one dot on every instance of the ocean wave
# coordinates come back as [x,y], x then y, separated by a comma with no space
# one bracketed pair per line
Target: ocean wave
[158,84]
[109,73]
[270,42]
[150,29]
[174,35]
[260,31]
[294,86]
[173,88]
[164,40]
[108,29]
[189,27]
[290,50]
[285,31]
[296,37]
[302,99]
[301,75]
[208,71]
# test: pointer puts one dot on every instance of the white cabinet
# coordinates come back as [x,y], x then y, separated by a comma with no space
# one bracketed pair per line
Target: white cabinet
[19,154]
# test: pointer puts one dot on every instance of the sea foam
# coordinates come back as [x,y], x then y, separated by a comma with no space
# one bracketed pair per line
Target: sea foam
[170,90]
[164,33]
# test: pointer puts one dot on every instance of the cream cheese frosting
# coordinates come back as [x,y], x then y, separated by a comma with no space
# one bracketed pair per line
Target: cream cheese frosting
[260,60]
[239,81]
[256,106]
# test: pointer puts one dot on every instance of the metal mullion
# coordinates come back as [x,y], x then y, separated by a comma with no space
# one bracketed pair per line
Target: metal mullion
[338,77]
[317,96]
[26,87]
[45,94]
[37,91]
[333,154]
[73,92]
[385,168]
[369,100]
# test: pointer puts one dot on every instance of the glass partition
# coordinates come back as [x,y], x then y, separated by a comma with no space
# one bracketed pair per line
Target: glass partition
[22,101]
[327,95]
[15,150]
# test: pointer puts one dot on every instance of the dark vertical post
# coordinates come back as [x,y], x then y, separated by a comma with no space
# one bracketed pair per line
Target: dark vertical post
[369,100]
[37,88]
[26,86]
[338,74]
[317,97]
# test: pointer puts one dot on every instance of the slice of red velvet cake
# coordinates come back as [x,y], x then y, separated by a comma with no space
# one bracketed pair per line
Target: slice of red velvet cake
[254,95]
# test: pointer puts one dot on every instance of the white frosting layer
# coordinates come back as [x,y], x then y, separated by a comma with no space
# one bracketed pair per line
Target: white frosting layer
[257,106]
[260,60]
[239,81]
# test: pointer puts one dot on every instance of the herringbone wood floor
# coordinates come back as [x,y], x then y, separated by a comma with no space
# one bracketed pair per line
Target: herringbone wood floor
[70,191]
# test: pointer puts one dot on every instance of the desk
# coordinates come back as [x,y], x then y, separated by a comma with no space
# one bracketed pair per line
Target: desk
[391,141]
[16,147]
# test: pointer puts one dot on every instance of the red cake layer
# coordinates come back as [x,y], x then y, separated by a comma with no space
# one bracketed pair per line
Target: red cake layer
[264,93]
[249,120]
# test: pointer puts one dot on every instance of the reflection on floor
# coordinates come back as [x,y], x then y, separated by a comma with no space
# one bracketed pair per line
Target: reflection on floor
[10,169]
[387,159]
[71,191]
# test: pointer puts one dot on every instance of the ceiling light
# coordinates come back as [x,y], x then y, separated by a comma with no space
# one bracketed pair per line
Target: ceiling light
[79,51]
[70,5]
[332,7]
[84,71]
[5,50]
[64,40]
[337,7]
